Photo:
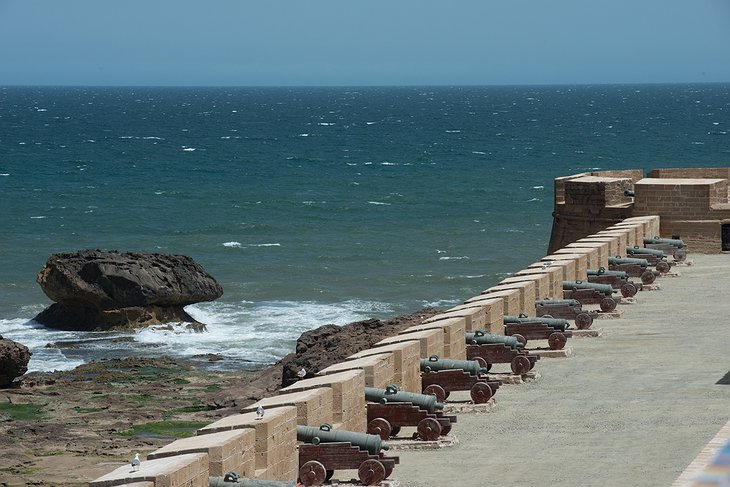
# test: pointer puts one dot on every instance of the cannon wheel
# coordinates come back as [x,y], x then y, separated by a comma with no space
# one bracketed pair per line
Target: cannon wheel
[483,363]
[329,475]
[648,277]
[546,316]
[388,469]
[445,428]
[520,339]
[312,473]
[371,472]
[628,290]
[557,341]
[680,255]
[436,390]
[662,267]
[608,305]
[394,430]
[583,321]
[429,429]
[520,365]
[481,392]
[380,427]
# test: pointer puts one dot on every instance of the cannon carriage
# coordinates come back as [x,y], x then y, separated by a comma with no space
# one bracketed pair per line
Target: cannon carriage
[389,409]
[525,328]
[591,293]
[441,377]
[566,309]
[326,449]
[616,279]
[500,349]
[670,246]
[656,258]
[634,267]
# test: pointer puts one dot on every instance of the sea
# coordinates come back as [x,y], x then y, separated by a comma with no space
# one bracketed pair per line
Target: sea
[312,206]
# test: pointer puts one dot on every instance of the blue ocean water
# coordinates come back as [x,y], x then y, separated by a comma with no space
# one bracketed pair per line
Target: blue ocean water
[312,205]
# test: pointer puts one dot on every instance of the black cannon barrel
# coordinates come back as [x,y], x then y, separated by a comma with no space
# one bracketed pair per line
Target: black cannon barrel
[433,363]
[629,192]
[604,272]
[674,242]
[628,260]
[479,337]
[575,285]
[642,250]
[556,302]
[558,324]
[326,434]
[231,479]
[391,393]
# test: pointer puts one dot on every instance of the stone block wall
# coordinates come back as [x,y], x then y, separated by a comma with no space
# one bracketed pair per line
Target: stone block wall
[314,406]
[490,311]
[541,283]
[379,369]
[526,296]
[510,299]
[553,274]
[406,369]
[454,335]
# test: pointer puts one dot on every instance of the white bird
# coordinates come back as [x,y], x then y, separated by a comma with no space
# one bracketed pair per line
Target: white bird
[136,462]
[259,412]
[302,373]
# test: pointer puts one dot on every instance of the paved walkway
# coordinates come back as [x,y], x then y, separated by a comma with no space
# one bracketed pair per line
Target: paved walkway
[633,407]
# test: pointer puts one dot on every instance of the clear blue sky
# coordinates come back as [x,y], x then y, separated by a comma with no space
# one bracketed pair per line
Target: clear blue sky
[373,42]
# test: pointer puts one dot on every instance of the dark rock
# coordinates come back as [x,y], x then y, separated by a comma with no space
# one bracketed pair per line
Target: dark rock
[14,358]
[95,289]
[329,344]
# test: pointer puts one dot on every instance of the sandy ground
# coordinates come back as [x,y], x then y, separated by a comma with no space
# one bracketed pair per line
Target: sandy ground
[630,408]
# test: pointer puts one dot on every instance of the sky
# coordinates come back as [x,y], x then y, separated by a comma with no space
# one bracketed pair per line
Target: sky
[360,43]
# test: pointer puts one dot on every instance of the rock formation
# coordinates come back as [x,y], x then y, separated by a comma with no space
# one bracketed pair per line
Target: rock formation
[95,289]
[14,358]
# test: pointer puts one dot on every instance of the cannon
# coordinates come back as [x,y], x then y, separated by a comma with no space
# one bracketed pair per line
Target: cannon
[232,479]
[391,409]
[656,258]
[500,349]
[567,309]
[537,328]
[616,279]
[441,377]
[326,449]
[591,293]
[673,246]
[633,267]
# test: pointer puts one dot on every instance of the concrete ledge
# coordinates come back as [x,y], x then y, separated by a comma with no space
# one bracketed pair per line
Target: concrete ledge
[189,470]
[610,315]
[469,408]
[547,353]
[589,333]
[512,379]
[406,443]
[314,406]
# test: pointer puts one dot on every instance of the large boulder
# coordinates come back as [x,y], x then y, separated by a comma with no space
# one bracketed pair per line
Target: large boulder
[14,358]
[95,289]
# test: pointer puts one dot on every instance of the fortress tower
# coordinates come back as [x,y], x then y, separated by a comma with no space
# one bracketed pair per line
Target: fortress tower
[693,203]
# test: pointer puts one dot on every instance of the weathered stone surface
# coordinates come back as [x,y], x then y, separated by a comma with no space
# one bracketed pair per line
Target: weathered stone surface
[96,289]
[14,359]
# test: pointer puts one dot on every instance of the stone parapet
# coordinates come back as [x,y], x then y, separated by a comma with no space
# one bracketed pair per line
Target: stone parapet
[189,470]
[454,336]
[379,369]
[314,406]
[526,297]
[348,396]
[432,341]
[492,311]
[510,300]
[407,369]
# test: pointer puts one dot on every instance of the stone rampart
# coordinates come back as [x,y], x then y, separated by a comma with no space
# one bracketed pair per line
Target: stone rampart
[266,447]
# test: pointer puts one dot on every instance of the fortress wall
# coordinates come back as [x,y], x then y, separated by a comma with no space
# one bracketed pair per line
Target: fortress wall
[266,447]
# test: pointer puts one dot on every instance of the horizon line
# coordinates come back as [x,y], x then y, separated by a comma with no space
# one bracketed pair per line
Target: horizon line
[466,85]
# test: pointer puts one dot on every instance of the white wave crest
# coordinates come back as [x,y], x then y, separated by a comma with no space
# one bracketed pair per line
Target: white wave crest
[379,203]
[231,244]
[462,257]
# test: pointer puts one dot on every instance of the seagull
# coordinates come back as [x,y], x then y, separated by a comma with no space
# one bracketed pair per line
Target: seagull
[302,373]
[259,412]
[135,462]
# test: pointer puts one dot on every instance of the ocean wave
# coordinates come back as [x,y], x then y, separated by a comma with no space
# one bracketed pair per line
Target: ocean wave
[538,187]
[40,217]
[5,174]
[478,152]
[462,257]
[231,244]
[188,149]
[379,203]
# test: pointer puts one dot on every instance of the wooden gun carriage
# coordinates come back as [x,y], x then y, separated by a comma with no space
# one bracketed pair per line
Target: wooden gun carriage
[616,279]
[656,258]
[538,328]
[670,246]
[441,377]
[391,409]
[591,293]
[326,449]
[634,267]
[567,309]
[499,349]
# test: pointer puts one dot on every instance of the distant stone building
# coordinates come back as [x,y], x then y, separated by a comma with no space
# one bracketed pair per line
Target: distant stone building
[693,204]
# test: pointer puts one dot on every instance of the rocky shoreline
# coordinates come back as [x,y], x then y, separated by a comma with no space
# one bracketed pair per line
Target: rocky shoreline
[66,428]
